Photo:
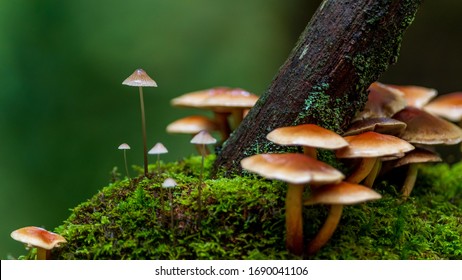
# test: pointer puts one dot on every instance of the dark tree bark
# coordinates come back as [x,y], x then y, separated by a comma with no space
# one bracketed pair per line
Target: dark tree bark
[345,47]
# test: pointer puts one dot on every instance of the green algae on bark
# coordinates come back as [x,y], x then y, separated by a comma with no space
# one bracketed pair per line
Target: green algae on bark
[243,218]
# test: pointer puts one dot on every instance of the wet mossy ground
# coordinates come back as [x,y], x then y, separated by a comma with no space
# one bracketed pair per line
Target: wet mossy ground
[243,218]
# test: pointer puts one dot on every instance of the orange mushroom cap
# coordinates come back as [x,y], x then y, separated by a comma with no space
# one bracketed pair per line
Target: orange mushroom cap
[343,193]
[38,237]
[416,96]
[191,125]
[448,106]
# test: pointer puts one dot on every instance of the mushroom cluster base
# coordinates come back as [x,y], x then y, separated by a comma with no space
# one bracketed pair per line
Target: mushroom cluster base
[243,218]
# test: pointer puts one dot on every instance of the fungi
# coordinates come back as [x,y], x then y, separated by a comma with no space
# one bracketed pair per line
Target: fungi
[36,237]
[140,79]
[336,195]
[169,183]
[296,170]
[158,149]
[125,147]
[310,136]
[415,96]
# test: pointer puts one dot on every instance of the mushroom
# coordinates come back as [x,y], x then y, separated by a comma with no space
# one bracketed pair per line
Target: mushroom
[39,238]
[192,125]
[158,149]
[336,195]
[202,138]
[413,158]
[380,125]
[415,96]
[140,79]
[296,170]
[310,136]
[370,146]
[125,147]
[170,183]
[223,101]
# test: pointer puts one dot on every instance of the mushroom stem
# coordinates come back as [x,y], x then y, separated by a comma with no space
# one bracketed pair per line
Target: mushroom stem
[294,221]
[238,116]
[327,230]
[171,214]
[310,151]
[162,193]
[126,167]
[199,197]
[43,254]
[369,181]
[143,123]
[409,182]
[362,171]
[200,149]
[222,121]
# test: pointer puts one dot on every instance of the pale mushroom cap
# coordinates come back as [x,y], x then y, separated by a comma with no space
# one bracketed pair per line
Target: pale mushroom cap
[417,156]
[380,125]
[124,146]
[191,125]
[169,183]
[310,135]
[220,98]
[292,168]
[158,148]
[383,101]
[37,237]
[139,78]
[425,128]
[448,106]
[204,138]
[373,144]
[416,96]
[344,193]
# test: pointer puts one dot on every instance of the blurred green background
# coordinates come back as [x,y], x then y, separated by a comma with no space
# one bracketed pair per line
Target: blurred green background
[63,110]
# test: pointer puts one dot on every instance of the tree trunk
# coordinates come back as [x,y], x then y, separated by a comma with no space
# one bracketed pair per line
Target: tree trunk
[345,47]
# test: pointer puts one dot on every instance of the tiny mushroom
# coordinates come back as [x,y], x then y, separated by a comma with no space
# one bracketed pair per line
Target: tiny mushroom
[202,138]
[170,183]
[296,170]
[310,136]
[370,146]
[140,79]
[158,149]
[39,238]
[336,195]
[125,147]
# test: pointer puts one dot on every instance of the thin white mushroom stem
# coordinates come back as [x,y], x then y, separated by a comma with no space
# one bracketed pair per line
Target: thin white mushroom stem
[370,179]
[362,170]
[409,182]
[172,225]
[199,197]
[162,193]
[143,124]
[294,220]
[327,230]
[126,167]
[201,150]
[310,151]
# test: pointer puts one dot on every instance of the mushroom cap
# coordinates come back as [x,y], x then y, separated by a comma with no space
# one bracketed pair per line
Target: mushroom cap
[448,106]
[169,183]
[310,135]
[222,99]
[38,237]
[124,146]
[425,128]
[191,125]
[344,193]
[203,137]
[383,101]
[158,148]
[373,144]
[139,78]
[292,168]
[380,125]
[416,156]
[415,96]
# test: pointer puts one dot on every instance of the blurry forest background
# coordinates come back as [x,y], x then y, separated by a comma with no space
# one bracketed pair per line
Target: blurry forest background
[64,111]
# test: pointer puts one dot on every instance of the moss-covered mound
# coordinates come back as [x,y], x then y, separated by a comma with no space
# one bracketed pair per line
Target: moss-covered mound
[243,218]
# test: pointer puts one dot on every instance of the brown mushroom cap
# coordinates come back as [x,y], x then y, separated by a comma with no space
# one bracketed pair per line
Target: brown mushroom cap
[448,106]
[38,237]
[416,96]
[292,168]
[425,128]
[221,99]
[159,148]
[416,156]
[372,144]
[139,78]
[380,125]
[204,138]
[191,125]
[342,193]
[383,101]
[307,135]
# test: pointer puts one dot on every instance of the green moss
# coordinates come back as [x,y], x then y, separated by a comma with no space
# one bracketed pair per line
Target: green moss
[243,218]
